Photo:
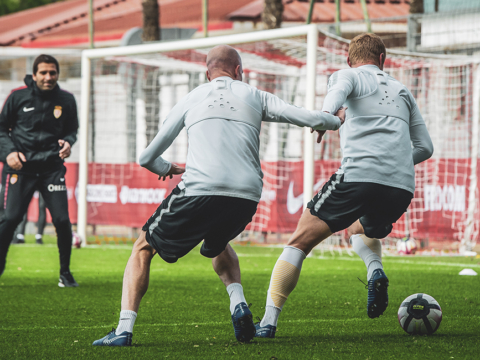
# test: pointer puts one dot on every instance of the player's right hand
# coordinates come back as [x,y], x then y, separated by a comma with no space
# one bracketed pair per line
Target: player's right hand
[15,160]
[341,114]
[174,170]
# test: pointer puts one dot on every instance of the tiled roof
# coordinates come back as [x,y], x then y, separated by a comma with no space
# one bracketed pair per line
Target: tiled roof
[324,10]
[28,25]
[66,23]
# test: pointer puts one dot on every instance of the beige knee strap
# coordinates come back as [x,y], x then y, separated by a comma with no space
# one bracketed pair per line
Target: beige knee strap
[374,244]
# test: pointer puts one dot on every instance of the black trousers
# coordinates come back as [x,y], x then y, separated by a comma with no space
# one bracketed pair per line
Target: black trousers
[19,189]
[42,218]
[2,191]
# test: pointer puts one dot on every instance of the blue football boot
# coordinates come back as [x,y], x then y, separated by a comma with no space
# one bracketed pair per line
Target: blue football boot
[123,339]
[242,321]
[267,331]
[377,294]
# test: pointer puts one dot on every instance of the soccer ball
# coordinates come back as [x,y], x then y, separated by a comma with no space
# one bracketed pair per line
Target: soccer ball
[406,246]
[76,241]
[420,314]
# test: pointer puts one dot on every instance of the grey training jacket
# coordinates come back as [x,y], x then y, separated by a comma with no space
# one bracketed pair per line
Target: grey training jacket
[381,125]
[223,120]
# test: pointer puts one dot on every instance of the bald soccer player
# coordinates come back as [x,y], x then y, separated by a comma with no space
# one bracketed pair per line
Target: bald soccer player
[384,136]
[220,188]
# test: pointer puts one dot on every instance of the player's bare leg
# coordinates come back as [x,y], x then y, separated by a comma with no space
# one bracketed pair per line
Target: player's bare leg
[135,285]
[355,228]
[370,250]
[137,274]
[227,267]
[309,233]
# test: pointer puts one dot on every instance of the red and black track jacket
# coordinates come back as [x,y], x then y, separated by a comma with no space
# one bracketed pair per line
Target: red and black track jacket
[32,121]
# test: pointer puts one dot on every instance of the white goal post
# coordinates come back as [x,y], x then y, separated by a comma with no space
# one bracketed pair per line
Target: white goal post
[310,31]
[127,91]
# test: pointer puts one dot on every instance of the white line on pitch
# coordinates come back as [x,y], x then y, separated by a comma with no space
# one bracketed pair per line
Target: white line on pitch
[433,263]
[342,258]
[78,271]
[173,325]
[388,260]
[118,247]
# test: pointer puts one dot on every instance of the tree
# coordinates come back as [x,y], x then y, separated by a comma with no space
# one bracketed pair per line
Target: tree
[272,14]
[12,6]
[416,7]
[414,25]
[151,83]
[272,18]
[151,15]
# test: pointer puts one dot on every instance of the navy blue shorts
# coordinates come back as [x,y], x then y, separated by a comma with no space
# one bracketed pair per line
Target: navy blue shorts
[181,222]
[339,204]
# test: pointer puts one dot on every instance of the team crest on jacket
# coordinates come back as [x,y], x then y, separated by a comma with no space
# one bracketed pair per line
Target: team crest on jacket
[14,179]
[57,112]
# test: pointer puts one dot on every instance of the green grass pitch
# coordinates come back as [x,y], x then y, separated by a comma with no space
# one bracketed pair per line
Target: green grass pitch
[185,313]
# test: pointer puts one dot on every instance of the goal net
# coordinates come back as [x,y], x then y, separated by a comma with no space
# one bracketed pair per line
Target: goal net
[131,90]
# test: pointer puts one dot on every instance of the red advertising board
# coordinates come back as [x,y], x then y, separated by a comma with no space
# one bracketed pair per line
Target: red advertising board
[126,194]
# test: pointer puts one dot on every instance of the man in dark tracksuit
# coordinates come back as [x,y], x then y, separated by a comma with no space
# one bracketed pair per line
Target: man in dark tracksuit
[38,126]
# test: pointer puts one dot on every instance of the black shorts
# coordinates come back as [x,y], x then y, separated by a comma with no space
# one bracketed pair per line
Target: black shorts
[377,206]
[182,222]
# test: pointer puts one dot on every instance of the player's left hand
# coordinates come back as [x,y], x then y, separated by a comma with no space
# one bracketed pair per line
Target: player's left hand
[340,113]
[174,170]
[66,149]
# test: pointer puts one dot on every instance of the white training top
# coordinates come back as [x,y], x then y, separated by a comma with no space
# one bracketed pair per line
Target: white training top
[382,122]
[223,120]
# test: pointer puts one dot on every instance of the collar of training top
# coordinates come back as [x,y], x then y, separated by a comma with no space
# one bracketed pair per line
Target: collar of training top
[28,80]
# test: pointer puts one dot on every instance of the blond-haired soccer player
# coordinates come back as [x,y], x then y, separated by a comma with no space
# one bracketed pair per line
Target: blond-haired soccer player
[375,183]
[220,187]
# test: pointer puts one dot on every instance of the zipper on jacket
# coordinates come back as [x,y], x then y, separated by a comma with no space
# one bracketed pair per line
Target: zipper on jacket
[42,131]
